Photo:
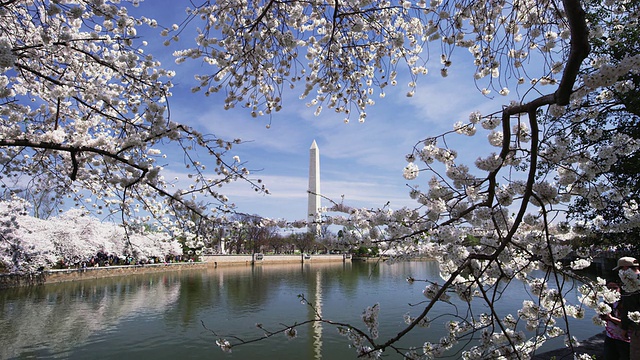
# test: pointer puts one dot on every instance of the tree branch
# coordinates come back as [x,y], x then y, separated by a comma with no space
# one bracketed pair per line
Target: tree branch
[73,150]
[580,48]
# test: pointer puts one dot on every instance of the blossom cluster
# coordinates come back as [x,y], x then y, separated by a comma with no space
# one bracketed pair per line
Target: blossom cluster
[630,280]
[370,318]
[359,343]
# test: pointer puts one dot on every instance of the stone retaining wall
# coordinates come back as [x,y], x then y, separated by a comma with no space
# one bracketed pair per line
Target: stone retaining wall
[13,280]
[226,260]
[54,276]
[60,275]
[257,259]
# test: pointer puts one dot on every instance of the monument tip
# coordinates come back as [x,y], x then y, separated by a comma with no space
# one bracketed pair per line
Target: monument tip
[314,145]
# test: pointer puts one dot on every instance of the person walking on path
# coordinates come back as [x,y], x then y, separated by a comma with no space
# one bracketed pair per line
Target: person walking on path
[616,341]
[629,271]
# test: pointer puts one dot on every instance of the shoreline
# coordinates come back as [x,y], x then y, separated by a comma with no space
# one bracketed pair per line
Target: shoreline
[52,276]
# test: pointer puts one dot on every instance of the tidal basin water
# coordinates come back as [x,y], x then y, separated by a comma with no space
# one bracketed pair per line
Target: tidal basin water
[179,315]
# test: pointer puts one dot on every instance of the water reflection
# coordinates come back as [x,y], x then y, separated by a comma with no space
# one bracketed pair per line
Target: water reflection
[317,326]
[160,316]
[59,317]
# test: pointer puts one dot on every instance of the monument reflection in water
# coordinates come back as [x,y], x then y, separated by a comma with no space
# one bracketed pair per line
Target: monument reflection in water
[179,315]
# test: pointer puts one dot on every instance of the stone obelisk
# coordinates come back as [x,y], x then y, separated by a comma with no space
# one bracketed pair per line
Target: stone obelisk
[313,214]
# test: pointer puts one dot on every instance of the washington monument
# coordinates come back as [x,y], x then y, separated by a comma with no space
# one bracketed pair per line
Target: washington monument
[313,213]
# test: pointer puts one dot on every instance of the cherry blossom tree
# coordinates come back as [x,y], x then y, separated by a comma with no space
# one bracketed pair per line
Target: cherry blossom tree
[617,112]
[486,224]
[84,116]
[73,237]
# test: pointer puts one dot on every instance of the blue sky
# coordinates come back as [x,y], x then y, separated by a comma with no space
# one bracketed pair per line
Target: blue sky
[362,161]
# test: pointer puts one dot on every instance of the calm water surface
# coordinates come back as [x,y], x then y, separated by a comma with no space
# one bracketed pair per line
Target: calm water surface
[177,315]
